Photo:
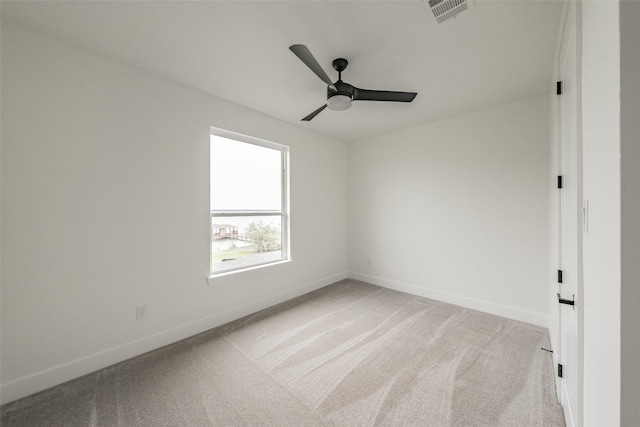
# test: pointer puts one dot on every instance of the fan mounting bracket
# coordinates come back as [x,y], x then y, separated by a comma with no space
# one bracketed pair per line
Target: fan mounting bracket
[339,64]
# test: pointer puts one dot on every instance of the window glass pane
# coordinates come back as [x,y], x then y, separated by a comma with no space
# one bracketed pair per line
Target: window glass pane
[244,176]
[242,241]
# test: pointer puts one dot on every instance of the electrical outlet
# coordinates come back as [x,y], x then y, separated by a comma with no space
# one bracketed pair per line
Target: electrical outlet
[141,312]
[369,262]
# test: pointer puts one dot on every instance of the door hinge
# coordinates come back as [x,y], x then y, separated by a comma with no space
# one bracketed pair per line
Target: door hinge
[560,181]
[559,276]
[559,88]
[559,370]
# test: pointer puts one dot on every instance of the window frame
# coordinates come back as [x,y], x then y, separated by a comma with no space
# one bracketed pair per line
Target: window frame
[228,213]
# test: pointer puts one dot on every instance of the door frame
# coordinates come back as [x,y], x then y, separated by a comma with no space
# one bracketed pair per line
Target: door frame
[571,15]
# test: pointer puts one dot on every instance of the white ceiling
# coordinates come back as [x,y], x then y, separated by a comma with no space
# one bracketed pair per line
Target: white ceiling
[497,52]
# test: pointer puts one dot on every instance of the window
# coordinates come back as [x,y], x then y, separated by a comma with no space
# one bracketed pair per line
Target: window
[249,202]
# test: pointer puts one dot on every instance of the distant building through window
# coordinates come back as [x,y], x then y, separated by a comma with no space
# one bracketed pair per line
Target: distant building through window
[249,202]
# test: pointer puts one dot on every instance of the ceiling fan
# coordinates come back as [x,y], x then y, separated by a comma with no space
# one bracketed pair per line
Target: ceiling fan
[341,94]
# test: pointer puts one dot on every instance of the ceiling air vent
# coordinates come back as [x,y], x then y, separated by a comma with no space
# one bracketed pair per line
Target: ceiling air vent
[445,9]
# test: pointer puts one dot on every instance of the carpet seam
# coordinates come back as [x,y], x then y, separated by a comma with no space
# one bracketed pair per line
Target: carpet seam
[275,379]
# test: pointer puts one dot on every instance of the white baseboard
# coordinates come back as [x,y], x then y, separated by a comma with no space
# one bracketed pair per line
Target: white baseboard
[538,319]
[42,380]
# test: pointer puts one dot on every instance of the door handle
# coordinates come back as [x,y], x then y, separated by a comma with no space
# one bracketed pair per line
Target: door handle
[566,301]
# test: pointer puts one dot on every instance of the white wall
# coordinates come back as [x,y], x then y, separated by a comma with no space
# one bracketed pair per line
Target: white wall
[105,198]
[457,210]
[630,206]
[601,188]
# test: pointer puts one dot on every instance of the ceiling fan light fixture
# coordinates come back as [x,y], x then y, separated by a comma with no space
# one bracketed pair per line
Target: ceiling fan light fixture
[339,102]
[341,94]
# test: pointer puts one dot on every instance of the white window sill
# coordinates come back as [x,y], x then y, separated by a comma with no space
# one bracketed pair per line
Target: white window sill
[248,273]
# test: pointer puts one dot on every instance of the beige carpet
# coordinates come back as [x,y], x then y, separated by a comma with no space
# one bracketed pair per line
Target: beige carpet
[350,354]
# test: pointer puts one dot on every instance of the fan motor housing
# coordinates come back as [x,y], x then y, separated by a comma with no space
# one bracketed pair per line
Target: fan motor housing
[342,89]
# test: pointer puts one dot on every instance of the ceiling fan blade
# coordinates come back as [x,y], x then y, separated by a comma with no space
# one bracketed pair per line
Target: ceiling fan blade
[382,95]
[315,113]
[302,52]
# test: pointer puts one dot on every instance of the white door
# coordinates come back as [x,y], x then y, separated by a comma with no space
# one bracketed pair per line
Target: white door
[570,235]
